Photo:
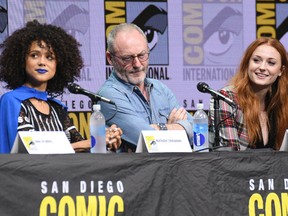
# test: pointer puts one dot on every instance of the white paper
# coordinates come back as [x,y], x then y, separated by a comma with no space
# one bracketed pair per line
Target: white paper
[42,142]
[154,141]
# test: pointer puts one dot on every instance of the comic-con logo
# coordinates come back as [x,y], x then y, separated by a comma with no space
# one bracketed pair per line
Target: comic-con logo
[272,19]
[3,20]
[212,33]
[72,16]
[151,17]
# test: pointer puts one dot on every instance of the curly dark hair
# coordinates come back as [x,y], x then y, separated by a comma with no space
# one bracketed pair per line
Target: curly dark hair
[17,45]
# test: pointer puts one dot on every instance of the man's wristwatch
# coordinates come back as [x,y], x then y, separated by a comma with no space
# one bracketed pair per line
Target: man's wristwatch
[162,126]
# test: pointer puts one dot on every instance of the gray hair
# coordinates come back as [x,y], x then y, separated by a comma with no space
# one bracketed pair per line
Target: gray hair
[120,28]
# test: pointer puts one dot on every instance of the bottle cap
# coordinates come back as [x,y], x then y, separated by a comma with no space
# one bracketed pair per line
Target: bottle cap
[96,107]
[200,106]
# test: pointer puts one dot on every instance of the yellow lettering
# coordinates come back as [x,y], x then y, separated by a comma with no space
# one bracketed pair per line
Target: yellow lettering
[48,203]
[271,199]
[81,122]
[268,14]
[284,201]
[193,55]
[194,12]
[115,200]
[193,33]
[116,12]
[84,124]
[274,205]
[68,202]
[265,31]
[102,205]
[255,201]
[81,206]
[74,118]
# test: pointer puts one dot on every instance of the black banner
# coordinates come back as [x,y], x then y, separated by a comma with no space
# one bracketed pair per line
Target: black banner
[216,183]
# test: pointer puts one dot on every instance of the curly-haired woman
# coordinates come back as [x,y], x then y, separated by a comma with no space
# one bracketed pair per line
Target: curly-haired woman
[37,62]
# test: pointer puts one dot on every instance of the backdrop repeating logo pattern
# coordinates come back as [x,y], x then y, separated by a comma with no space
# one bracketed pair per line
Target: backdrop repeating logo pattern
[191,41]
[212,43]
[3,20]
[272,19]
[152,18]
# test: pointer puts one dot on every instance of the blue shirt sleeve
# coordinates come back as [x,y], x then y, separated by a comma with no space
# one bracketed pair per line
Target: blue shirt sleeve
[133,113]
[130,119]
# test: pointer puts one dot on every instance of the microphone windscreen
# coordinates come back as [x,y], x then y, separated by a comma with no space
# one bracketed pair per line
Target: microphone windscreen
[202,87]
[73,88]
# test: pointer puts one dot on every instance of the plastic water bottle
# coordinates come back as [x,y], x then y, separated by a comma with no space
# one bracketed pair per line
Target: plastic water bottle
[97,131]
[200,130]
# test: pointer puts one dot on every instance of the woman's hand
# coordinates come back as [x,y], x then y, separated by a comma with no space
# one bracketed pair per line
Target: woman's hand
[113,137]
[81,146]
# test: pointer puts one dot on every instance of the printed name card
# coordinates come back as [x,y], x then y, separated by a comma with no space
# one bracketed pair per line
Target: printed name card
[42,142]
[154,141]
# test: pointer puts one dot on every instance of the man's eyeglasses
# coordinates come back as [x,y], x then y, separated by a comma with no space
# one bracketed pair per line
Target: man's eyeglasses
[130,59]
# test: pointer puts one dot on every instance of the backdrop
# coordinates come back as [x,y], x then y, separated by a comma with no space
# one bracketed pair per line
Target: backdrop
[191,41]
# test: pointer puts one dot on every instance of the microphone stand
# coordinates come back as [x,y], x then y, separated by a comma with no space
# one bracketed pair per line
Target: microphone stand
[94,99]
[217,146]
[216,121]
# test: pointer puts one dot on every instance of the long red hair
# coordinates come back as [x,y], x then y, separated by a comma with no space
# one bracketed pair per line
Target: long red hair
[276,100]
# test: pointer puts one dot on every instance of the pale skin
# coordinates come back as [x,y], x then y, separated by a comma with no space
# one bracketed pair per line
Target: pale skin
[132,43]
[264,68]
[42,58]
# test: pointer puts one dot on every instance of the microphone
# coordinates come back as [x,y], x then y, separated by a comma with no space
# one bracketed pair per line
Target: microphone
[76,89]
[204,87]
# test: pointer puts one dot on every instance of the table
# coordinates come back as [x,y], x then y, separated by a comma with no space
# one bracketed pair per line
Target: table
[214,183]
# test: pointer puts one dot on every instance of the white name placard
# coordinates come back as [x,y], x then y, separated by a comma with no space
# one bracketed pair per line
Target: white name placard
[42,142]
[154,141]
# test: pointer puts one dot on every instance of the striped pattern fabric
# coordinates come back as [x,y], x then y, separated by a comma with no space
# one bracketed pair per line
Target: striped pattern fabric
[31,119]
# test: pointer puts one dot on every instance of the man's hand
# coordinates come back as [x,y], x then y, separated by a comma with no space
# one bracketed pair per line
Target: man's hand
[176,115]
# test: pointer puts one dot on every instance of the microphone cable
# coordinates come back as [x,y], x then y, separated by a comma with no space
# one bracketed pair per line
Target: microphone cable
[217,128]
[113,115]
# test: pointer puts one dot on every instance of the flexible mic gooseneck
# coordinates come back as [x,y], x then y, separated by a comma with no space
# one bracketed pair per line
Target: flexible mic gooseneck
[204,87]
[76,89]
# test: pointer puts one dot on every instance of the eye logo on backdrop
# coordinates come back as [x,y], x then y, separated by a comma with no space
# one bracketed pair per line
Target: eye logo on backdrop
[220,36]
[72,16]
[75,21]
[152,18]
[212,33]
[212,44]
[153,22]
[3,20]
